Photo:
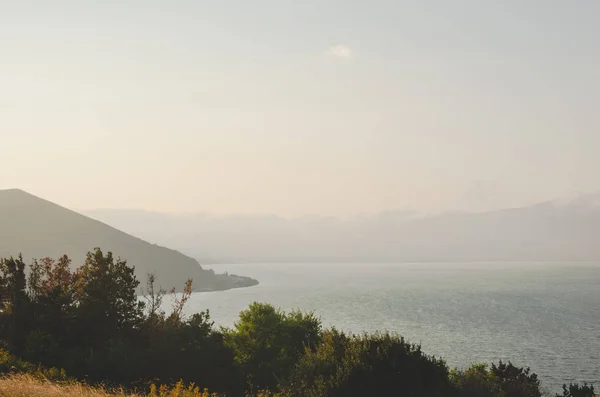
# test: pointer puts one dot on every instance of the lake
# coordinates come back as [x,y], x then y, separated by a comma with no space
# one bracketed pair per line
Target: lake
[546,316]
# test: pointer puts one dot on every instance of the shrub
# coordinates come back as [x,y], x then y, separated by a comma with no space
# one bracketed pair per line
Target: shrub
[575,390]
[11,364]
[477,381]
[516,381]
[368,365]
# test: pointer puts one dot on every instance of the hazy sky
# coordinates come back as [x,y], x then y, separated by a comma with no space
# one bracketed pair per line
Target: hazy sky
[299,107]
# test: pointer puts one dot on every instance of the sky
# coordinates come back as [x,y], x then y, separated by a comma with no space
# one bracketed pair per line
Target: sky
[300,107]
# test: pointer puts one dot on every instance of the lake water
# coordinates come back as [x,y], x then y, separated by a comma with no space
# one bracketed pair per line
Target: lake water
[546,316]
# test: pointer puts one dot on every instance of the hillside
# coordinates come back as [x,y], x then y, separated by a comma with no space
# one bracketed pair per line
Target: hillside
[543,232]
[37,228]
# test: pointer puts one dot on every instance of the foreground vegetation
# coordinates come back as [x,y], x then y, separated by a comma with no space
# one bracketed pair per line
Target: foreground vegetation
[91,324]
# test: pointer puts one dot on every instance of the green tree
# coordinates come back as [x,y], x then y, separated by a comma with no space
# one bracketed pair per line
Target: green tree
[267,342]
[108,315]
[106,299]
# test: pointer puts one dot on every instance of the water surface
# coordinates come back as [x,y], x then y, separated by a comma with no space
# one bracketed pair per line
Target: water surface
[546,316]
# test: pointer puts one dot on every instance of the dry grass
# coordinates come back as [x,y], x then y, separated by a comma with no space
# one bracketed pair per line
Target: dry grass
[22,385]
[29,386]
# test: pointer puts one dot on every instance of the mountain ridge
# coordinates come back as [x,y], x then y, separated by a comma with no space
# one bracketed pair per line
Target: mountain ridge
[546,232]
[36,228]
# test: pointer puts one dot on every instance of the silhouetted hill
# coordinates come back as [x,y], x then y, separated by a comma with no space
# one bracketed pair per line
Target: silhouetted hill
[543,232]
[38,228]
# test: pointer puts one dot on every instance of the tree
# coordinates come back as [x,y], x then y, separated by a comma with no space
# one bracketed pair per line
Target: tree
[154,297]
[105,294]
[176,316]
[14,301]
[51,291]
[268,342]
[517,381]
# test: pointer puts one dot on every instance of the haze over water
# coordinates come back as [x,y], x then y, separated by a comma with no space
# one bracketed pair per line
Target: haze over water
[545,316]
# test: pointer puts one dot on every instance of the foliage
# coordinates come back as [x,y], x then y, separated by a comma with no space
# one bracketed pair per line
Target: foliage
[11,364]
[575,390]
[477,381]
[502,380]
[107,303]
[378,365]
[515,381]
[92,323]
[13,300]
[267,342]
[179,390]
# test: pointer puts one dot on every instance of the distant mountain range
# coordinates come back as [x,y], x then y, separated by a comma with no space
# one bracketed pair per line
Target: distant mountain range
[549,231]
[37,228]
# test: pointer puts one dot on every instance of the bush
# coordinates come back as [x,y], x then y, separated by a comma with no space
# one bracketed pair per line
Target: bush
[502,380]
[575,390]
[516,381]
[11,364]
[368,365]
[179,390]
[476,381]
